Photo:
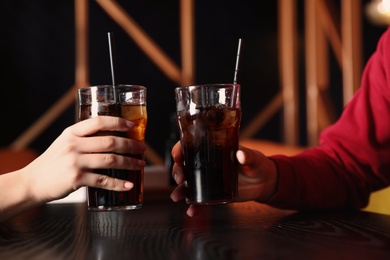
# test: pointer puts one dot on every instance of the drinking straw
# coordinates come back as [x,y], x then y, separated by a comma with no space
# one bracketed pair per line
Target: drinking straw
[111,48]
[237,69]
[112,197]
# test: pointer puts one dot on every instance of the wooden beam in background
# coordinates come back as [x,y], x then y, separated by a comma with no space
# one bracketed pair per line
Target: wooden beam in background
[288,64]
[142,39]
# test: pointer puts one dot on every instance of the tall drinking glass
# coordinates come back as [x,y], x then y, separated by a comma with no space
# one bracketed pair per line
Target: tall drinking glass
[209,119]
[129,102]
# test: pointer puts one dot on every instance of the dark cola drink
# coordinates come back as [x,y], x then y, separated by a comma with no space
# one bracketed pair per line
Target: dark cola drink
[209,139]
[100,199]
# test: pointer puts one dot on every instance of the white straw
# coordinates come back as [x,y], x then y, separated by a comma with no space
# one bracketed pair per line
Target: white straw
[236,71]
[111,48]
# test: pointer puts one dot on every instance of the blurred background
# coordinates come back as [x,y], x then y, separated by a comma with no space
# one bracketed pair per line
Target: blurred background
[37,57]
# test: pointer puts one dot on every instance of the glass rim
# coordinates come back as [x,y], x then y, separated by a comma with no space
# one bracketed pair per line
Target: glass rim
[216,85]
[135,86]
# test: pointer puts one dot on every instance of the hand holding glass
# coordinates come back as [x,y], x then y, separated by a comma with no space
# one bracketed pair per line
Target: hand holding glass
[129,102]
[209,119]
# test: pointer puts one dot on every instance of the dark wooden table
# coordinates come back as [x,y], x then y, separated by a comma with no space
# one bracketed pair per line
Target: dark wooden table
[161,230]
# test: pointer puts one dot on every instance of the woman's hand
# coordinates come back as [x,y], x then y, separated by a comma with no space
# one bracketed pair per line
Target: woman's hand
[257,176]
[67,164]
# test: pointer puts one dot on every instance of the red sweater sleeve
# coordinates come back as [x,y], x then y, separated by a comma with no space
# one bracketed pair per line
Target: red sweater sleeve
[353,156]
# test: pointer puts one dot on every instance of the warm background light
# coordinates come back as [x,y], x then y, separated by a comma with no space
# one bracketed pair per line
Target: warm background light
[378,12]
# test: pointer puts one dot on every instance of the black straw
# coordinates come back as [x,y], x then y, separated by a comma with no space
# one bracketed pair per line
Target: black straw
[237,69]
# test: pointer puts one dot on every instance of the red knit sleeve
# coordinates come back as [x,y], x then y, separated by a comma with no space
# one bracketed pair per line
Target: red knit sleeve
[353,158]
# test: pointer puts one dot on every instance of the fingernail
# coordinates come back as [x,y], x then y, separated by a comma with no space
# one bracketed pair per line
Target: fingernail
[143,146]
[129,124]
[173,197]
[128,185]
[141,163]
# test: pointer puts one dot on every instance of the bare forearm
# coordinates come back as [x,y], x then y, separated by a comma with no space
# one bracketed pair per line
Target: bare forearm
[15,195]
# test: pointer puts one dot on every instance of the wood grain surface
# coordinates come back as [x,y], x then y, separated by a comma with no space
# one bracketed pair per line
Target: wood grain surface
[161,230]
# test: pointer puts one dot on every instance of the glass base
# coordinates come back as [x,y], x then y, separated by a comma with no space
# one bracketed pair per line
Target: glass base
[210,202]
[117,208]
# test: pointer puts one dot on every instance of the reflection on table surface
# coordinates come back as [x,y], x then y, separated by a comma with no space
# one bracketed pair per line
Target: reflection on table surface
[161,230]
